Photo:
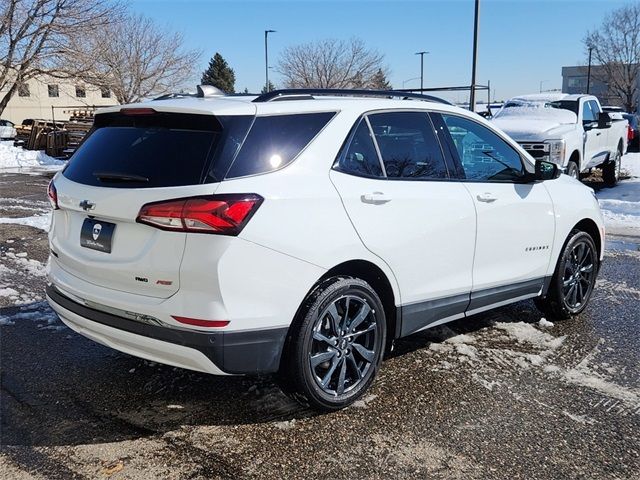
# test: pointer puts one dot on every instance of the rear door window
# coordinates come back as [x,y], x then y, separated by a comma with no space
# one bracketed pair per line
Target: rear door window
[408,145]
[275,141]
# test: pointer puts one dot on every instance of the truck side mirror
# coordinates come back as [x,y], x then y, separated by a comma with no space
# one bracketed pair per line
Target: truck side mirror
[604,120]
[546,170]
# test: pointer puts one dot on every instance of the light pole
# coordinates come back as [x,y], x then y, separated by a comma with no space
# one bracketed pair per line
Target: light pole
[422,54]
[476,21]
[266,59]
[541,83]
[589,70]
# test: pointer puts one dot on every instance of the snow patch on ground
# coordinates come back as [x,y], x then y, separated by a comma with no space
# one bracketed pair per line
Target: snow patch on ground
[18,158]
[38,221]
[27,265]
[620,205]
[527,333]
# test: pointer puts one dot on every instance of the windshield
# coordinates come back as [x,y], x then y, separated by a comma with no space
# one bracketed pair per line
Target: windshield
[570,105]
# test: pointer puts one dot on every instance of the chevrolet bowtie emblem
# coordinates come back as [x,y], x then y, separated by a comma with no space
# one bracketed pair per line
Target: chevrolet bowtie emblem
[87,205]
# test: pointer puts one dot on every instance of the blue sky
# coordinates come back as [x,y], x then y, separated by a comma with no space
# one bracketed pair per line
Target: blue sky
[521,42]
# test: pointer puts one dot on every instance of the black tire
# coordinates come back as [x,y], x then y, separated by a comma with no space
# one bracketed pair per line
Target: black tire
[572,169]
[572,274]
[348,356]
[611,170]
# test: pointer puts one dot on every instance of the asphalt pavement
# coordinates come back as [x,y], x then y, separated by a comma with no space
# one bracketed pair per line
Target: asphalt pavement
[501,395]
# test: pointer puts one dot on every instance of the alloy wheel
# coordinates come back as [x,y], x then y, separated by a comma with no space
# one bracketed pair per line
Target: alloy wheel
[343,347]
[579,275]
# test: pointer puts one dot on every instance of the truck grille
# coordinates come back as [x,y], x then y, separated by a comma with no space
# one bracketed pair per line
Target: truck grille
[539,151]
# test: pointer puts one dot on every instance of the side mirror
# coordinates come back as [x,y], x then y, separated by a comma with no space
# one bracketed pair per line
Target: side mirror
[546,170]
[604,120]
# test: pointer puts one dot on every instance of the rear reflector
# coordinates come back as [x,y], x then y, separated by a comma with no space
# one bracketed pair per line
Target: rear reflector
[220,214]
[201,323]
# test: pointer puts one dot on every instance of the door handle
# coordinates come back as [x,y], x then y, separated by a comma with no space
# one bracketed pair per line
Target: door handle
[486,197]
[598,134]
[375,198]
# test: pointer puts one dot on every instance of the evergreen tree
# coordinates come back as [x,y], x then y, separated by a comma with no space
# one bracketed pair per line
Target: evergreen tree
[270,89]
[219,74]
[379,81]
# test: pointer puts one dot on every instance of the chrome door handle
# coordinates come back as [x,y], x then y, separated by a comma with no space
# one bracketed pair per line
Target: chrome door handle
[375,198]
[486,197]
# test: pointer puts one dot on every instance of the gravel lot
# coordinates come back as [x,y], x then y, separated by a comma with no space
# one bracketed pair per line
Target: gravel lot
[498,395]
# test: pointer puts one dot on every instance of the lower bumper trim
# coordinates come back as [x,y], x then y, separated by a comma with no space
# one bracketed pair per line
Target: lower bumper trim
[246,352]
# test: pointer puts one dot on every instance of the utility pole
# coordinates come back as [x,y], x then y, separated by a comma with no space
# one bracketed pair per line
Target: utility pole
[266,59]
[472,98]
[422,54]
[589,71]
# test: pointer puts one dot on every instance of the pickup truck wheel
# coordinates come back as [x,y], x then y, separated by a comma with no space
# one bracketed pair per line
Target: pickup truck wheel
[611,171]
[336,345]
[574,278]
[572,169]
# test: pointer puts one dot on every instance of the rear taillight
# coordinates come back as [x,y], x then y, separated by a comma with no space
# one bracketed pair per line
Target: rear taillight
[630,133]
[52,193]
[137,111]
[221,214]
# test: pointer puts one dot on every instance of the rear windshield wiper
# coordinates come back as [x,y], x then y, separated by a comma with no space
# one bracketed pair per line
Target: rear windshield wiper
[119,177]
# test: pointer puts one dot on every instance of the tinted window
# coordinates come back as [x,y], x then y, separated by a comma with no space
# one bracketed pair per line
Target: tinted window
[483,154]
[595,108]
[168,149]
[408,145]
[274,141]
[360,157]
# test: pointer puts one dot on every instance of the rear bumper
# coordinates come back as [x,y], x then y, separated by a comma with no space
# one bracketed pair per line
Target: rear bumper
[220,353]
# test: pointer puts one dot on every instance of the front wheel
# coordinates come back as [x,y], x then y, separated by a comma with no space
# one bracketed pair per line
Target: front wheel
[574,278]
[336,344]
[611,171]
[572,169]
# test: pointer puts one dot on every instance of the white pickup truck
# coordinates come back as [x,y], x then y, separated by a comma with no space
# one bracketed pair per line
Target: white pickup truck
[569,130]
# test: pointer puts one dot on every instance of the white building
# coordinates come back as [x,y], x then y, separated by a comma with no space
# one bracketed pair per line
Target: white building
[36,97]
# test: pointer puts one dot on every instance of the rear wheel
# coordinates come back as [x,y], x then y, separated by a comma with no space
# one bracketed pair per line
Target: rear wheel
[572,169]
[611,171]
[574,278]
[335,347]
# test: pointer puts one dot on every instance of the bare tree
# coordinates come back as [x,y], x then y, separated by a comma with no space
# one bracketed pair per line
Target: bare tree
[616,47]
[330,64]
[34,37]
[136,59]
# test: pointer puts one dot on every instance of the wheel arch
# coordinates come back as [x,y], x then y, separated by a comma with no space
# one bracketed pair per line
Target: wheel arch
[589,226]
[575,157]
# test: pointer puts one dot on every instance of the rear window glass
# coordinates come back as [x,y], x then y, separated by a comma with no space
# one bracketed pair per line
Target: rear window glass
[274,141]
[140,151]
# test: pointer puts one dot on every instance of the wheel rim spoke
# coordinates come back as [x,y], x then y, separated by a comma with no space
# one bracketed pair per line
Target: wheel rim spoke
[335,318]
[322,357]
[327,378]
[342,376]
[354,365]
[321,338]
[359,318]
[368,355]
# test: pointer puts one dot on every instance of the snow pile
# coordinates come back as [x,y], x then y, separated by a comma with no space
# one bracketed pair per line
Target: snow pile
[538,112]
[620,205]
[38,221]
[16,157]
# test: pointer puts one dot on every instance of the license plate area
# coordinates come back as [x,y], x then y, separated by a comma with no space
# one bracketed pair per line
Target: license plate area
[97,235]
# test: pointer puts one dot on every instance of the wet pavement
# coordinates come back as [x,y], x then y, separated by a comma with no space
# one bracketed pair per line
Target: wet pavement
[498,395]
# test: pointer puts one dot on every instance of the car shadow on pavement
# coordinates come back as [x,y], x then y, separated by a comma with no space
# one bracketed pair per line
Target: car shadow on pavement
[59,388]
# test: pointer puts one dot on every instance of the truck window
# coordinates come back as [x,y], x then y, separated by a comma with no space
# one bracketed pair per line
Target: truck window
[587,113]
[595,108]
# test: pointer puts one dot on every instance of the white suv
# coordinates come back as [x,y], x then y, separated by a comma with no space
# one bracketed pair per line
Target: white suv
[301,232]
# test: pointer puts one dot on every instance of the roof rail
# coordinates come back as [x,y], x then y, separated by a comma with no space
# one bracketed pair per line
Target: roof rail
[308,93]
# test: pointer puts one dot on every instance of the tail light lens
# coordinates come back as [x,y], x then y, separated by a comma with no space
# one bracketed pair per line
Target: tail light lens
[630,133]
[52,193]
[220,214]
[202,323]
